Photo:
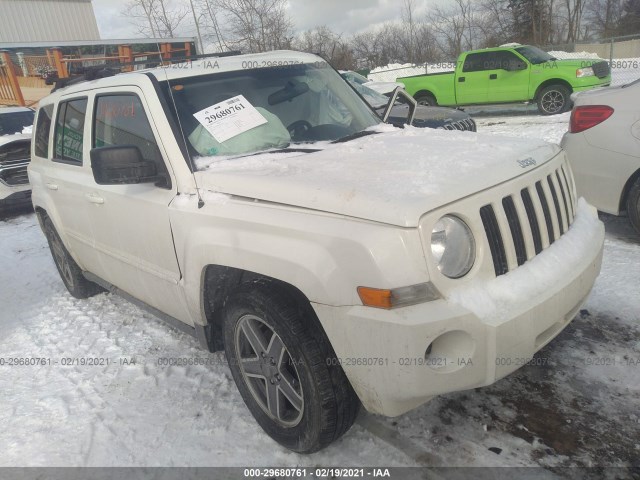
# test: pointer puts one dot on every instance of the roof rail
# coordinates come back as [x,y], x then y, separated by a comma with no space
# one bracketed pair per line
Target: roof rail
[102,71]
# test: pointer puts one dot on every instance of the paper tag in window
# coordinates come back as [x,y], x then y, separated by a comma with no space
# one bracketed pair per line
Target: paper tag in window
[232,117]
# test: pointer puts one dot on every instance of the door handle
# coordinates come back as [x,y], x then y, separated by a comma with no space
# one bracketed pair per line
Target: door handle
[93,198]
[493,76]
[461,79]
[52,186]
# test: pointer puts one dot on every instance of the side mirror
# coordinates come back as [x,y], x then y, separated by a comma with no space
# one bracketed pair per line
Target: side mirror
[122,164]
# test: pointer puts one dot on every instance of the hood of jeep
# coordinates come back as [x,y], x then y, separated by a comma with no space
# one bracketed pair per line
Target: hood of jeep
[393,176]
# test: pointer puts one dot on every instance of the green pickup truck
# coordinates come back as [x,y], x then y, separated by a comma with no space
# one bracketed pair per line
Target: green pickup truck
[513,74]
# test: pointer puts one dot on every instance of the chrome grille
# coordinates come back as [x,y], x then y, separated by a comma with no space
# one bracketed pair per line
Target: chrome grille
[601,69]
[466,124]
[14,176]
[523,224]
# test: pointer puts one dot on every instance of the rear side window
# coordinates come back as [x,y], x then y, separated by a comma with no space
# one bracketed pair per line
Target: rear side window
[69,136]
[15,122]
[121,120]
[43,127]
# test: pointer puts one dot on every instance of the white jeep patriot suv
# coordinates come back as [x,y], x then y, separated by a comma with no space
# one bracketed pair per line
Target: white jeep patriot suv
[258,203]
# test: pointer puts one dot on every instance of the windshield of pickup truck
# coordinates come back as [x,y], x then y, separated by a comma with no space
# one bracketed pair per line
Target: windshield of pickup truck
[534,54]
[247,111]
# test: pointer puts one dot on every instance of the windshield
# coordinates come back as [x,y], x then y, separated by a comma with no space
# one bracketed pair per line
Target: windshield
[15,122]
[373,98]
[354,77]
[534,54]
[248,111]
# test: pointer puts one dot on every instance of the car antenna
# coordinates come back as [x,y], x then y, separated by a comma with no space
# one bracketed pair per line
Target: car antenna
[184,139]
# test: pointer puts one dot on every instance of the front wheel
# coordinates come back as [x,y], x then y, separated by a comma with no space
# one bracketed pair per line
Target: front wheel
[633,205]
[554,99]
[285,369]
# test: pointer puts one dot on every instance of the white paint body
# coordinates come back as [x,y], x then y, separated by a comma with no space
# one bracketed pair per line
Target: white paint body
[605,157]
[350,215]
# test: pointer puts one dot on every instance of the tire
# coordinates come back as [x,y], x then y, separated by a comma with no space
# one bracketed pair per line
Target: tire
[426,99]
[313,402]
[633,205]
[554,99]
[69,271]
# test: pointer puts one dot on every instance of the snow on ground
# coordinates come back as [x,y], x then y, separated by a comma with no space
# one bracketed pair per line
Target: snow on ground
[576,404]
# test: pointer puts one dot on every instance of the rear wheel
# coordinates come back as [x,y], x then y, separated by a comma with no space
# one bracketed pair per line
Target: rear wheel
[554,99]
[426,99]
[633,205]
[68,269]
[285,369]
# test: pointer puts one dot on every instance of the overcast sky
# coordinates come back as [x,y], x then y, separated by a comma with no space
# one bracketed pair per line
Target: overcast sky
[342,16]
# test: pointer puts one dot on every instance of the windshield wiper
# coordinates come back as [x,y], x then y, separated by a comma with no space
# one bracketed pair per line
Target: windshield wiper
[353,136]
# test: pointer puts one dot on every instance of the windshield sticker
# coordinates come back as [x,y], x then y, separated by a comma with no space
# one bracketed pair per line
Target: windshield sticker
[230,118]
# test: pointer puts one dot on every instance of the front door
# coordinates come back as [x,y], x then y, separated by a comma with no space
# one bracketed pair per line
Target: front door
[131,222]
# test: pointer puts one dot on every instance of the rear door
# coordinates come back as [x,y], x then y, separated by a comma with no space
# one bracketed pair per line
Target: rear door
[472,83]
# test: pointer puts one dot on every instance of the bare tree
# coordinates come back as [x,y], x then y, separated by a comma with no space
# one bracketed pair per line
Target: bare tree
[457,27]
[256,25]
[210,12]
[155,18]
[603,16]
[328,44]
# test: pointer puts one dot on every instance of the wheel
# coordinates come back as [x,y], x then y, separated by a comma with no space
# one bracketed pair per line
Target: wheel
[68,269]
[426,99]
[633,205]
[285,369]
[554,99]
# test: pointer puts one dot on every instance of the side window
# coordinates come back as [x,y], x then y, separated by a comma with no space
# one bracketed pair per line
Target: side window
[477,62]
[43,127]
[504,59]
[70,131]
[121,120]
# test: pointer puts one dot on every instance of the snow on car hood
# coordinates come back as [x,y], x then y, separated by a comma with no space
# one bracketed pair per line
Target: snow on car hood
[393,176]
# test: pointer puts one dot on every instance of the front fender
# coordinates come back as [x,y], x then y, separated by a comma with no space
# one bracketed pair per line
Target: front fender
[325,256]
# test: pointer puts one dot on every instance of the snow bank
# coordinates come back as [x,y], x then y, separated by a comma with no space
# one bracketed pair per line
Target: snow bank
[28,130]
[499,298]
[561,55]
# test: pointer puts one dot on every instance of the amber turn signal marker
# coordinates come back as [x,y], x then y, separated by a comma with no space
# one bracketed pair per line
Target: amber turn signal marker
[374,297]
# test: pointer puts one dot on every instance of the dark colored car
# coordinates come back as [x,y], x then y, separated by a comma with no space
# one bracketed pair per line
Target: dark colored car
[425,117]
[15,155]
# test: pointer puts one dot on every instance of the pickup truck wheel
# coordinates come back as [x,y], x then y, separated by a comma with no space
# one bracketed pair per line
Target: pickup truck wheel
[285,370]
[68,269]
[426,99]
[554,99]
[633,205]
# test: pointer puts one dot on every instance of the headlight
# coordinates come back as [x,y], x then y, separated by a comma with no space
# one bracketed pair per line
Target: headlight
[585,72]
[453,247]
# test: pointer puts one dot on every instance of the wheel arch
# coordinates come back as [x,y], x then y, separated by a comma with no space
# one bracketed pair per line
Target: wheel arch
[627,188]
[552,81]
[219,282]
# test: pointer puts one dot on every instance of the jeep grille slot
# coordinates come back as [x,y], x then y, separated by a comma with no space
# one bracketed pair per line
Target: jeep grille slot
[554,195]
[496,244]
[533,220]
[528,234]
[516,229]
[546,212]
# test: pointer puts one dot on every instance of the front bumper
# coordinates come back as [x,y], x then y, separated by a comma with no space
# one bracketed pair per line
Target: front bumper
[383,351]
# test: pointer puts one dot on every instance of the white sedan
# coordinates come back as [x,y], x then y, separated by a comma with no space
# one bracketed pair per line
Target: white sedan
[603,145]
